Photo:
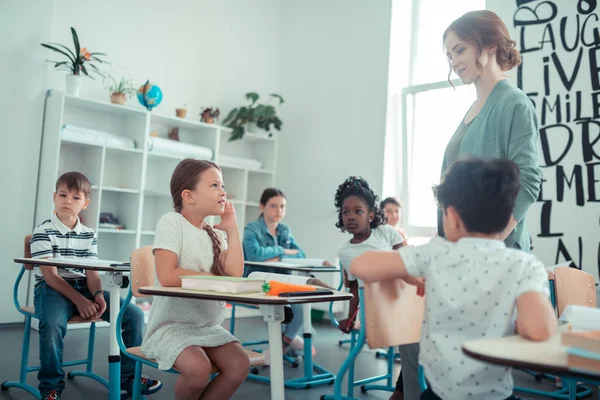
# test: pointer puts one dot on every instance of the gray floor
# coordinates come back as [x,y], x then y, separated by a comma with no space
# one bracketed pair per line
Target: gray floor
[329,355]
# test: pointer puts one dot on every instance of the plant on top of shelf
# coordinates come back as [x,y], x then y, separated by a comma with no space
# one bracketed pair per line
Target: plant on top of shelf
[264,115]
[120,89]
[209,114]
[79,61]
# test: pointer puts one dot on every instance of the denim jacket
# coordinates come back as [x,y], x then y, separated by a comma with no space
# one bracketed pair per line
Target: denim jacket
[260,245]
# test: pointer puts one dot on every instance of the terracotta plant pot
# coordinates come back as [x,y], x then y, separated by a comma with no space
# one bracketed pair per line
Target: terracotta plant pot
[180,112]
[208,120]
[118,98]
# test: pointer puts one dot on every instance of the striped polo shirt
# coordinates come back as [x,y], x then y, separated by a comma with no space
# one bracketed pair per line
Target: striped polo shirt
[53,239]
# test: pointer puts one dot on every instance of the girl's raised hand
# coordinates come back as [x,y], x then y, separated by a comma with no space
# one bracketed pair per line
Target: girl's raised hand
[228,218]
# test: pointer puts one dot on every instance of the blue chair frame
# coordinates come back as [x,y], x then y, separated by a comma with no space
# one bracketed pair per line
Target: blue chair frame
[357,341]
[25,368]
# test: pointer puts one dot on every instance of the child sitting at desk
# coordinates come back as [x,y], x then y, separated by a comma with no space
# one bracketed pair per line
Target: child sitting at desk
[59,294]
[186,333]
[269,239]
[360,215]
[472,281]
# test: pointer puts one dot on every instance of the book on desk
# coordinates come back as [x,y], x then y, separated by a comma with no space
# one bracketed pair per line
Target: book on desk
[222,284]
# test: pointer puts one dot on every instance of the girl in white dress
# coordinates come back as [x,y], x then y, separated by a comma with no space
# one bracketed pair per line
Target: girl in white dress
[186,333]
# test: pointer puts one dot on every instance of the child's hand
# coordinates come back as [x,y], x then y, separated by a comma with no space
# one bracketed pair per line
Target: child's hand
[228,218]
[99,300]
[290,252]
[86,308]
[327,264]
[418,282]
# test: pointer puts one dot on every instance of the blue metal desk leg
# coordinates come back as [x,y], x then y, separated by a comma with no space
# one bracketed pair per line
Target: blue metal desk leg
[323,376]
[114,356]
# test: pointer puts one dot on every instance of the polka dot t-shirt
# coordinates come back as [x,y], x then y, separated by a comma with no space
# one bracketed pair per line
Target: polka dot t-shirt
[471,291]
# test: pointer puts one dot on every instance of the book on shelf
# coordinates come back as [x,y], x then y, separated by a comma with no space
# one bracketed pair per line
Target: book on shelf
[221,284]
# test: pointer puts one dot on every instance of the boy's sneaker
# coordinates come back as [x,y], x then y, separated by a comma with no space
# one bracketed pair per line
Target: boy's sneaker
[149,386]
[52,395]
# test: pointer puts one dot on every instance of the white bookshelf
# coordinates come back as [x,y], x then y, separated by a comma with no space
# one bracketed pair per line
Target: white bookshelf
[133,183]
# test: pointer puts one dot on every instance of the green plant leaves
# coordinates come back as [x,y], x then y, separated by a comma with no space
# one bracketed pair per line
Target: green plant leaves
[265,116]
[48,46]
[277,97]
[253,97]
[76,41]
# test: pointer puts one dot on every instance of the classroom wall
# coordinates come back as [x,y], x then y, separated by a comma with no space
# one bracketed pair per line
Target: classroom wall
[23,81]
[334,68]
[202,53]
[560,44]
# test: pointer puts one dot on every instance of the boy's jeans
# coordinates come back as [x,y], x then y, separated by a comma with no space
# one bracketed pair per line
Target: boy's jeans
[53,311]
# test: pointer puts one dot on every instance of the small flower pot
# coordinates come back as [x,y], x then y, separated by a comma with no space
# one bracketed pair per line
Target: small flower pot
[180,112]
[72,84]
[118,98]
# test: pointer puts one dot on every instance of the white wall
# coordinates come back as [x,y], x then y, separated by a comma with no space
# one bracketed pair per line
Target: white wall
[570,223]
[23,81]
[202,53]
[334,67]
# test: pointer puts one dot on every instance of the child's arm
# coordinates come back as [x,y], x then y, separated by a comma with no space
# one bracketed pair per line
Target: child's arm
[373,266]
[86,308]
[347,324]
[94,285]
[294,246]
[232,259]
[535,316]
[255,252]
[167,271]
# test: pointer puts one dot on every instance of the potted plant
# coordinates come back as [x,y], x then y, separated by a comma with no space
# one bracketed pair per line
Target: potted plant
[181,112]
[79,61]
[120,89]
[209,115]
[264,115]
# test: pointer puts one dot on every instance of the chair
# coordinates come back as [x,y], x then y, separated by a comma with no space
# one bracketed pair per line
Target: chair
[142,274]
[29,313]
[567,286]
[384,307]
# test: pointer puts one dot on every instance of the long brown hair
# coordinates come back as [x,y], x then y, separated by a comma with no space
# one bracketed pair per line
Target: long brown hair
[484,28]
[185,177]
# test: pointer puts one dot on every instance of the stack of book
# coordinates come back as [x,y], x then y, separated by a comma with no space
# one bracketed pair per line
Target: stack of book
[583,349]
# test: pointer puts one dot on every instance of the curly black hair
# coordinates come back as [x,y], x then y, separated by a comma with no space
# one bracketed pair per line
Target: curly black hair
[357,186]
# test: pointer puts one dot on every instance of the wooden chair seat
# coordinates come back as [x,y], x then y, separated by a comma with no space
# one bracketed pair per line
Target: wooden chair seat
[255,358]
[75,320]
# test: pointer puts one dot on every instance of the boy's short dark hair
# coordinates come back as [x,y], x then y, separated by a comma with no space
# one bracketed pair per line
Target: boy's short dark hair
[76,182]
[482,192]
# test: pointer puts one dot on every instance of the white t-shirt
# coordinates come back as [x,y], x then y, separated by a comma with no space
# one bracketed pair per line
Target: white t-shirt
[383,238]
[471,290]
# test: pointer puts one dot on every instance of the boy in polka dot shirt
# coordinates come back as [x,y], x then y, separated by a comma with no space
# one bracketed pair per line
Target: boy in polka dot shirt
[474,285]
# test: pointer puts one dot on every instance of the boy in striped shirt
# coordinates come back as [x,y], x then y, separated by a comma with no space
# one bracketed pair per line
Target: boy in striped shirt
[60,294]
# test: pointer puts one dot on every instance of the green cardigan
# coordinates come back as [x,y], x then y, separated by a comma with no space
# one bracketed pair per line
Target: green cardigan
[507,127]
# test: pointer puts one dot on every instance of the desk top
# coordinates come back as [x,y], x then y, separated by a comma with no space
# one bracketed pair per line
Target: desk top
[292,267]
[91,264]
[252,298]
[515,351]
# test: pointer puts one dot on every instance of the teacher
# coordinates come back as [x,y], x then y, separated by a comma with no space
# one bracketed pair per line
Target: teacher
[502,122]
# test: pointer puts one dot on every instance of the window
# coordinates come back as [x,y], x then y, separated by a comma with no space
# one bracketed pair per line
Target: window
[423,108]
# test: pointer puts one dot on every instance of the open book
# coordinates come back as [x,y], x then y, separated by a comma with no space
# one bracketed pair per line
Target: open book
[222,284]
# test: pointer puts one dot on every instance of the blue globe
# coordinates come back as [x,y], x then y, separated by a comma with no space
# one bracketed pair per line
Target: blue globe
[149,95]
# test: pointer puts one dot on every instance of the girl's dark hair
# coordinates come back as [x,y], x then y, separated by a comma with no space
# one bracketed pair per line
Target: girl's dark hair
[390,200]
[268,194]
[484,28]
[356,186]
[483,193]
[185,177]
